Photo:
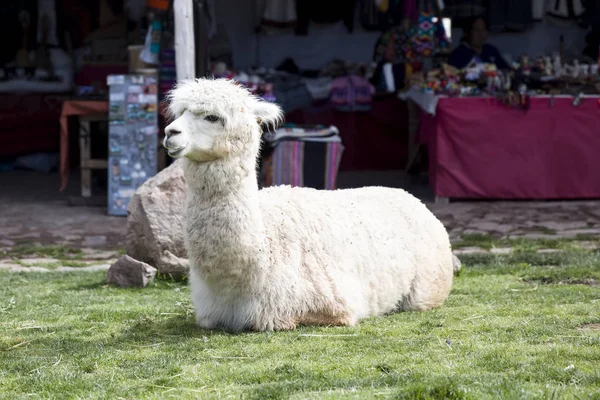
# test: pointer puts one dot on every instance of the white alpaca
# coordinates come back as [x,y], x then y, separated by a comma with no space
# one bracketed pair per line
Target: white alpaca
[281,257]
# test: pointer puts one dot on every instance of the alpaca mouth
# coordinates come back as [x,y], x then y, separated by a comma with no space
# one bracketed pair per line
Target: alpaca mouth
[175,152]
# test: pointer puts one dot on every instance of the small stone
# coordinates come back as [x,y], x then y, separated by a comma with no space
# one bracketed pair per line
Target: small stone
[469,250]
[128,272]
[488,226]
[536,236]
[471,231]
[502,250]
[456,264]
[39,261]
[99,267]
[577,232]
[93,254]
[8,265]
[20,268]
[71,238]
[92,241]
[587,245]
[548,251]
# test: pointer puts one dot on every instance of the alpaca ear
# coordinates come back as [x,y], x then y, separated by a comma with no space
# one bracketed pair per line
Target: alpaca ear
[268,114]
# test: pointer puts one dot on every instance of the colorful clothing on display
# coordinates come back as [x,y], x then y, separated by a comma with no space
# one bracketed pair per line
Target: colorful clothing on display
[352,93]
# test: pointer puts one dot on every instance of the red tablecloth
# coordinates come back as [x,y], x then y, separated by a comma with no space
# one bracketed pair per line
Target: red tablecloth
[480,148]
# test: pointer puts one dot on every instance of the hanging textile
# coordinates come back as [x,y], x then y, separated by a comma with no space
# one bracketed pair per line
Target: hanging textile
[431,35]
[538,9]
[509,15]
[462,10]
[375,16]
[315,11]
[278,13]
[566,9]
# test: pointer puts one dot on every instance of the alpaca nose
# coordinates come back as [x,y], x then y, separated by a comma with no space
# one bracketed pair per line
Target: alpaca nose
[171,132]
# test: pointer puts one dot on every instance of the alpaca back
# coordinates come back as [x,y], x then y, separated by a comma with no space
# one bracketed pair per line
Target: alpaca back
[374,249]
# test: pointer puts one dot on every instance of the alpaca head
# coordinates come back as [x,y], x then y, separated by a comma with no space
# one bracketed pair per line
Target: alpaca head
[215,119]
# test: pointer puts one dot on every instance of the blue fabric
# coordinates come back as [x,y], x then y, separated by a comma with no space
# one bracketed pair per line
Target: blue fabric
[463,54]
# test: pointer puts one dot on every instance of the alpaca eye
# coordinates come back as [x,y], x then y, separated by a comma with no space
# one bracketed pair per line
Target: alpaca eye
[211,118]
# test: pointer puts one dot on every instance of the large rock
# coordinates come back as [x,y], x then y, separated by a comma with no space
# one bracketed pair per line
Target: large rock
[155,222]
[127,272]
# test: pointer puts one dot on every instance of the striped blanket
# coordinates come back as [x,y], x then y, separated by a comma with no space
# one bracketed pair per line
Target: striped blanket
[304,164]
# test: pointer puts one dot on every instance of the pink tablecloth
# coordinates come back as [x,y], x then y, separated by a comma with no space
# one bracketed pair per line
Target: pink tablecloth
[479,148]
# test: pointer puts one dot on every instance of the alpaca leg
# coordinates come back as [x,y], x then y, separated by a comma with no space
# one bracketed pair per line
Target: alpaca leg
[203,302]
[428,292]
[206,323]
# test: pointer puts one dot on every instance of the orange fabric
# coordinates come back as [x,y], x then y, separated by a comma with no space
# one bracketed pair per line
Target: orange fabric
[70,108]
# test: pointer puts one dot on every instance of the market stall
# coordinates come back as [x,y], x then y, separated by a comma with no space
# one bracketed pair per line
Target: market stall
[480,148]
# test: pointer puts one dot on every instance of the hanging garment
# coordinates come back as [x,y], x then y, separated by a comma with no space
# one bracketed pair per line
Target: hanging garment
[372,17]
[462,10]
[314,10]
[278,13]
[510,15]
[538,9]
[566,9]
[431,35]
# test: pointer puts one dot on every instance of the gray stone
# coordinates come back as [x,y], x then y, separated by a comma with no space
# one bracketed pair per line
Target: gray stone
[587,245]
[501,250]
[562,225]
[94,241]
[469,250]
[98,267]
[155,222]
[456,264]
[127,272]
[93,254]
[489,226]
[7,242]
[549,251]
[173,266]
[577,232]
[472,231]
[20,268]
[4,265]
[38,261]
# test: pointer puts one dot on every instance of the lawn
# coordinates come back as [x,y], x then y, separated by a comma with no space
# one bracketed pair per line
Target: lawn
[518,326]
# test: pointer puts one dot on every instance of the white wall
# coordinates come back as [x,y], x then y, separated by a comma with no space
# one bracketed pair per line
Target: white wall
[328,42]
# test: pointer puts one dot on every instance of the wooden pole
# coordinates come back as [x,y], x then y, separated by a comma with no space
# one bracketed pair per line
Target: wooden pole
[185,52]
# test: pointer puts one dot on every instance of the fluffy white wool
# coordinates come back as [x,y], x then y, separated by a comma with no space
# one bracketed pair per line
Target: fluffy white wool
[279,257]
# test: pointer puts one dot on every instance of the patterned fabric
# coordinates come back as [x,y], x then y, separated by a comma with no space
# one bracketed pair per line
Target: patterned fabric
[351,93]
[304,164]
[395,46]
[431,36]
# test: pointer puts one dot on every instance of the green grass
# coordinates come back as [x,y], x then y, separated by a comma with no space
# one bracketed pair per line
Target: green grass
[64,256]
[511,329]
[488,242]
[58,252]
